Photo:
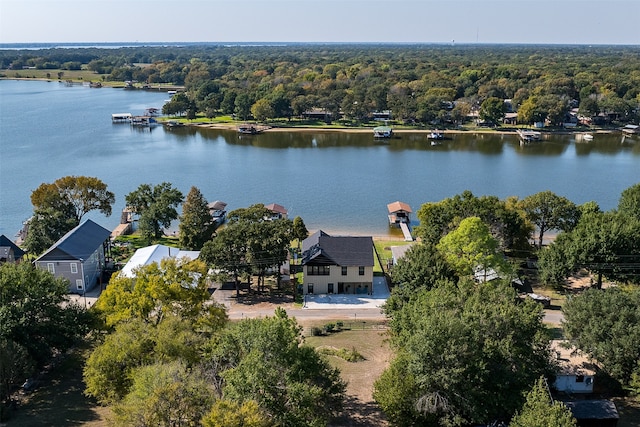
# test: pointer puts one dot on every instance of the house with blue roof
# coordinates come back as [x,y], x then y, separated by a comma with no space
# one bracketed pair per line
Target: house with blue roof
[79,256]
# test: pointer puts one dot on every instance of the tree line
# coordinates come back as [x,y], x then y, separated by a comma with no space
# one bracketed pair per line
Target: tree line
[421,84]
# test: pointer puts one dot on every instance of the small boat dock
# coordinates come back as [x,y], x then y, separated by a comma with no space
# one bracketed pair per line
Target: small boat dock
[400,215]
[249,129]
[527,136]
[382,132]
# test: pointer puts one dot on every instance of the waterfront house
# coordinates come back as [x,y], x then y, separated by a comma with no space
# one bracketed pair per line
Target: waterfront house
[155,253]
[337,265]
[79,256]
[9,251]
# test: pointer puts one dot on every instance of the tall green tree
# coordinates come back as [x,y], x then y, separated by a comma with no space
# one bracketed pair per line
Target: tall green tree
[540,410]
[470,247]
[109,371]
[81,194]
[469,353]
[607,244]
[156,205]
[175,287]
[37,320]
[196,223]
[548,211]
[265,360]
[629,202]
[165,395]
[61,205]
[505,222]
[604,324]
[492,110]
[421,267]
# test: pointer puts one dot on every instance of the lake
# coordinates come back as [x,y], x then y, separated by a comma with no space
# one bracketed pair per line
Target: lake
[339,182]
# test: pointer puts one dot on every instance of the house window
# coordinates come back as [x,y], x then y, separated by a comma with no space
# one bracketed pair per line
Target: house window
[344,271]
[361,271]
[318,270]
[310,288]
[79,284]
[579,378]
[74,268]
[51,268]
[330,288]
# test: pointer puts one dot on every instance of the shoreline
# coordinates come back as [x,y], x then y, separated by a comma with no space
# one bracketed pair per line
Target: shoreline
[497,131]
[511,130]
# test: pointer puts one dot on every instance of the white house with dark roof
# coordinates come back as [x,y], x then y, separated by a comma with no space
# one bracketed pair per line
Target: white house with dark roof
[337,265]
[79,256]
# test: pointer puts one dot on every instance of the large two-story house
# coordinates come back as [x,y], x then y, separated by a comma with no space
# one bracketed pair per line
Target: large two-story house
[79,256]
[337,265]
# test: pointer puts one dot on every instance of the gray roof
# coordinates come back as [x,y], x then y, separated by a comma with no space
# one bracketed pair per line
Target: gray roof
[321,248]
[593,409]
[78,243]
[6,245]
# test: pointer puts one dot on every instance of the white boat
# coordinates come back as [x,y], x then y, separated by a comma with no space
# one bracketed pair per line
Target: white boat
[382,132]
[435,135]
[587,137]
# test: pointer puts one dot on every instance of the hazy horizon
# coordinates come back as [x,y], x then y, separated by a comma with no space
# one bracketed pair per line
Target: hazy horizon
[557,22]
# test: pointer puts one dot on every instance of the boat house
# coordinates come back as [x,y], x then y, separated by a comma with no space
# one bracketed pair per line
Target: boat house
[399,212]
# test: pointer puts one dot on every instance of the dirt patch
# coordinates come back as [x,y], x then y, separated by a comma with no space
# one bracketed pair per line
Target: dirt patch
[360,408]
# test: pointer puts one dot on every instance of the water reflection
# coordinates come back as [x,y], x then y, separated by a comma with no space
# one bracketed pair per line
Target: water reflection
[484,143]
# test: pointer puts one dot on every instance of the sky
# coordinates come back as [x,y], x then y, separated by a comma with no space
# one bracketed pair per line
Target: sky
[347,21]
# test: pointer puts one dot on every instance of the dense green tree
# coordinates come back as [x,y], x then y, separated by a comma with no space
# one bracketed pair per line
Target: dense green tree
[470,247]
[505,222]
[629,203]
[61,205]
[469,353]
[548,211]
[264,360]
[492,110]
[421,267]
[242,106]
[604,325]
[37,320]
[226,413]
[196,223]
[606,244]
[109,371]
[174,287]
[156,205]
[540,411]
[77,194]
[262,110]
[164,395]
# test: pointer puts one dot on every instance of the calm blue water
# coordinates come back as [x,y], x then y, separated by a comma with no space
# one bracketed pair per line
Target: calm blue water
[335,181]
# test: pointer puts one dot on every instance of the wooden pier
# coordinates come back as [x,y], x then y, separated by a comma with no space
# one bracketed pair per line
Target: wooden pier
[406,231]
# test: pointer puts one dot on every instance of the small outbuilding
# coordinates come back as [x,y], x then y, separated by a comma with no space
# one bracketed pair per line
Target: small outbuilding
[594,413]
